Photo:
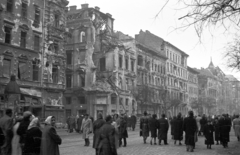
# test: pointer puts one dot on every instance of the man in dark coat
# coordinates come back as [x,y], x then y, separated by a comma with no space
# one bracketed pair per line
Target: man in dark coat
[50,139]
[172,125]
[190,128]
[178,129]
[6,124]
[22,129]
[107,144]
[163,129]
[133,121]
[123,131]
[96,131]
[224,129]
[153,126]
[144,128]
[216,129]
[79,122]
[203,122]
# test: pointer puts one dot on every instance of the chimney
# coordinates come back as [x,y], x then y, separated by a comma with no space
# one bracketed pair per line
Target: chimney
[109,15]
[97,8]
[73,8]
[84,6]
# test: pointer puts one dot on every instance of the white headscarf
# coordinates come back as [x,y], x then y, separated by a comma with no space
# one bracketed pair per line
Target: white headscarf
[33,123]
[48,120]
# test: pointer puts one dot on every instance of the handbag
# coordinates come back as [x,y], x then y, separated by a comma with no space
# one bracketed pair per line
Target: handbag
[140,133]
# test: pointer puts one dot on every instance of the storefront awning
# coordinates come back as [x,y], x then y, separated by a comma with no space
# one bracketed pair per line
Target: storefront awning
[31,92]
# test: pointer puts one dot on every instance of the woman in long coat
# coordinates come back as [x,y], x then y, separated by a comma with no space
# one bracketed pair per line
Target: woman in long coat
[33,138]
[208,133]
[116,126]
[50,139]
[216,129]
[96,131]
[236,127]
[153,126]
[86,129]
[123,134]
[144,129]
[178,129]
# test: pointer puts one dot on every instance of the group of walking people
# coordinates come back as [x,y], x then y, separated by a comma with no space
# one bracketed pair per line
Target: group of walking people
[191,126]
[23,135]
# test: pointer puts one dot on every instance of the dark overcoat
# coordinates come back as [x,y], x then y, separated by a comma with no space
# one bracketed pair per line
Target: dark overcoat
[133,120]
[153,126]
[33,141]
[216,129]
[96,131]
[208,133]
[224,129]
[144,126]
[190,128]
[162,128]
[79,123]
[50,141]
[107,144]
[123,129]
[178,129]
[22,129]
[172,126]
[203,122]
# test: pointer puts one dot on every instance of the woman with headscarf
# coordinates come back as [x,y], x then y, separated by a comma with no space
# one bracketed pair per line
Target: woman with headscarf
[16,148]
[50,139]
[96,131]
[33,138]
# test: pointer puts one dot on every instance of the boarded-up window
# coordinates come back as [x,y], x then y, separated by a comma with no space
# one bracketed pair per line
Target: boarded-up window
[103,64]
[69,80]
[8,31]
[22,70]
[69,57]
[36,43]
[24,10]
[35,71]
[9,5]
[55,74]
[6,67]
[23,39]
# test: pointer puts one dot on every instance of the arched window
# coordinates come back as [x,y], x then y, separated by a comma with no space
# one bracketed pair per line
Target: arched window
[140,60]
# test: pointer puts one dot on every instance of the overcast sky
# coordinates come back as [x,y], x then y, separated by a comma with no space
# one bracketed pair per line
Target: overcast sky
[133,15]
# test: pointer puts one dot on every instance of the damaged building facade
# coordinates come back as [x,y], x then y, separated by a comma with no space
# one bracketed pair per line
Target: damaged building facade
[31,48]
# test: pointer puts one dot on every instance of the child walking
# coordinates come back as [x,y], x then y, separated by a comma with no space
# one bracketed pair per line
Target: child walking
[208,133]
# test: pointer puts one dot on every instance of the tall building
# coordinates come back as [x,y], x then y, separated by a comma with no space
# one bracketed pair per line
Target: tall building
[193,90]
[177,79]
[31,48]
[151,73]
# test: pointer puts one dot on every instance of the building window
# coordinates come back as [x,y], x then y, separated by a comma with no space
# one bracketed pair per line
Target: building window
[35,71]
[9,5]
[56,47]
[24,10]
[37,15]
[82,78]
[23,39]
[132,65]
[126,63]
[69,57]
[103,64]
[56,22]
[7,34]
[126,102]
[140,60]
[55,74]
[22,70]
[36,43]
[82,100]
[120,61]
[6,67]
[68,80]
[68,100]
[113,99]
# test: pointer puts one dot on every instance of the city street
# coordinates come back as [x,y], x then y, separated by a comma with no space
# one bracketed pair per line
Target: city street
[73,145]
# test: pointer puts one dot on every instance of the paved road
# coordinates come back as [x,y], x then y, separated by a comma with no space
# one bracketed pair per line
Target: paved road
[73,145]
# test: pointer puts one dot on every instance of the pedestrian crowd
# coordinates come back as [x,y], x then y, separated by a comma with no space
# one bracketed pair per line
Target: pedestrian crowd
[215,128]
[23,135]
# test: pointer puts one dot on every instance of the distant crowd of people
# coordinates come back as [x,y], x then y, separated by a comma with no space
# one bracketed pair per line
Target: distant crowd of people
[23,135]
[212,128]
